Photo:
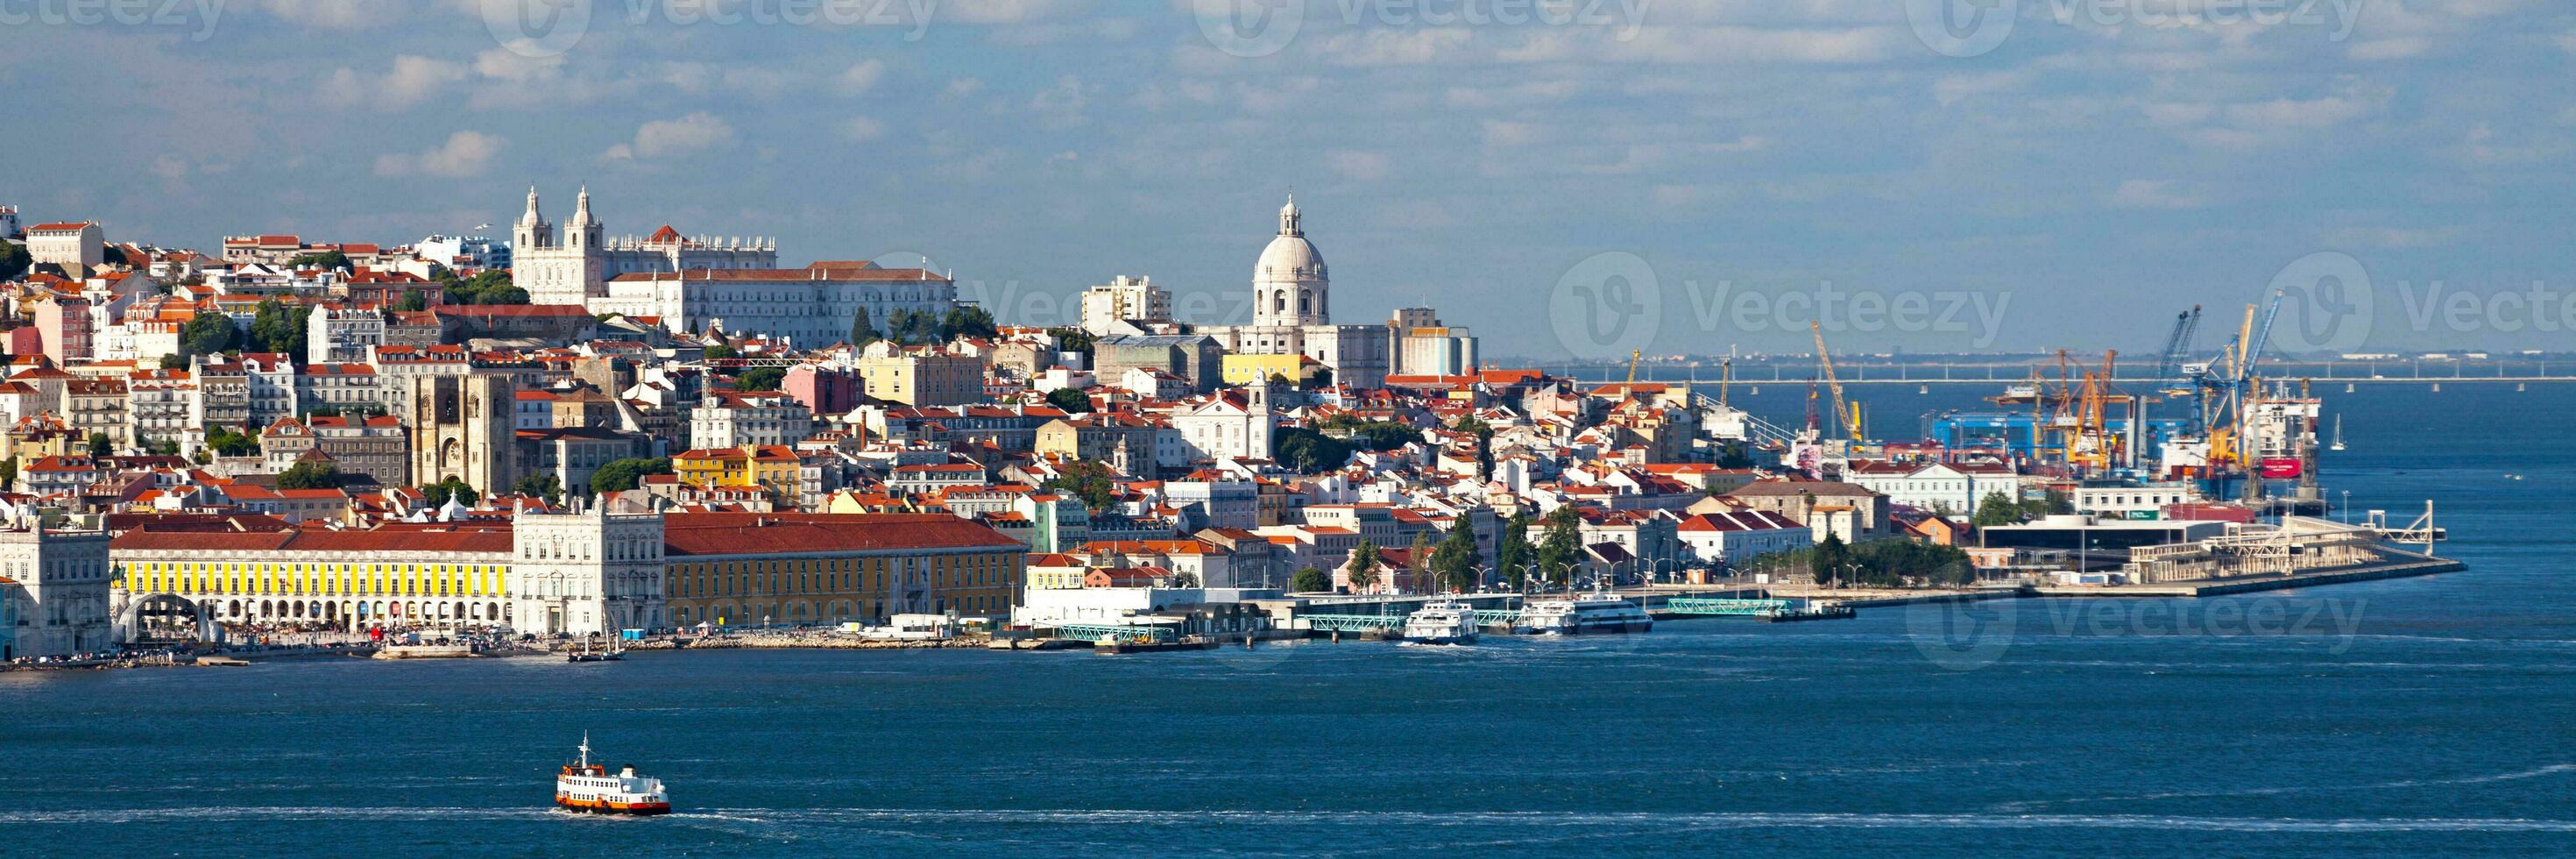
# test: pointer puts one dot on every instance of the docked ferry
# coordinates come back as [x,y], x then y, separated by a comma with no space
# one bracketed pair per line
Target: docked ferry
[587,787]
[1443,622]
[1588,615]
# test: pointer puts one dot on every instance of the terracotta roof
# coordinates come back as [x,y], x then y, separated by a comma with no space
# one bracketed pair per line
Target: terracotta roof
[700,534]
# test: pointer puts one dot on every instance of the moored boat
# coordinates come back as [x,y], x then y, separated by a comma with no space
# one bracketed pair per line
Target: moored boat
[1587,615]
[1443,622]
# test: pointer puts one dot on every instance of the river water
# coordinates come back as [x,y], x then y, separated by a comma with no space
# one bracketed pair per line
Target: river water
[2415,716]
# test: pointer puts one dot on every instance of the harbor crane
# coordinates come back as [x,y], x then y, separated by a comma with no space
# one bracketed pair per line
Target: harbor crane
[1843,413]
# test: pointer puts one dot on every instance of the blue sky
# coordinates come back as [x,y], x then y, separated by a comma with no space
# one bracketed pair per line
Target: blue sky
[2084,170]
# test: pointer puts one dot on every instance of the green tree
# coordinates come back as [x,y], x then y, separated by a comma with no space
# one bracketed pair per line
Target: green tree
[1363,566]
[1561,549]
[624,474]
[9,473]
[279,328]
[543,485]
[310,475]
[1826,562]
[322,259]
[1996,509]
[967,321]
[14,260]
[100,446]
[1420,556]
[412,301]
[2057,503]
[174,361]
[759,379]
[863,331]
[1515,554]
[207,333]
[1310,581]
[1455,561]
[1071,401]
[451,488]
[227,441]
[1095,483]
[721,352]
[1076,340]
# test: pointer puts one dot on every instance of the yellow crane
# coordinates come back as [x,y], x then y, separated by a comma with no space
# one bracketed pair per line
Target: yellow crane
[1843,411]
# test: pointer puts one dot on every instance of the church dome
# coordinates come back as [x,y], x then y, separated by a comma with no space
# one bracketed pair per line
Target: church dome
[1290,256]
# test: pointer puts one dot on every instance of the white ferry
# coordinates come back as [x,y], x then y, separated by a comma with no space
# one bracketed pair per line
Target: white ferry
[1589,615]
[1444,622]
[587,787]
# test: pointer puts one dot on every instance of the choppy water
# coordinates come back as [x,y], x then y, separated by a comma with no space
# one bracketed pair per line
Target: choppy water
[2404,717]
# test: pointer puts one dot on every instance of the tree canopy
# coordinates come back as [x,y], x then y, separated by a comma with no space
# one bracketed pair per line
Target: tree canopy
[208,333]
[1310,580]
[1071,400]
[331,259]
[310,475]
[624,474]
[759,379]
[1095,483]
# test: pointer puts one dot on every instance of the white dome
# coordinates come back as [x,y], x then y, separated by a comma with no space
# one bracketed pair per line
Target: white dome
[1289,258]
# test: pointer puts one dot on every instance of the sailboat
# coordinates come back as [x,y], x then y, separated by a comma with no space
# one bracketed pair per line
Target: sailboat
[2337,444]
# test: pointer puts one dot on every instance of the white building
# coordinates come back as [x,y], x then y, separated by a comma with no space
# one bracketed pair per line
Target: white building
[1736,537]
[1952,488]
[749,420]
[1425,347]
[575,267]
[1292,312]
[585,572]
[72,246]
[1124,299]
[343,334]
[1229,423]
[464,252]
[55,581]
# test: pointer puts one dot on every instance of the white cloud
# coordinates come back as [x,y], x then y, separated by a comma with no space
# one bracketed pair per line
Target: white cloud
[336,14]
[2395,238]
[860,129]
[2159,194]
[1361,166]
[861,77]
[1006,11]
[411,81]
[466,153]
[521,64]
[662,138]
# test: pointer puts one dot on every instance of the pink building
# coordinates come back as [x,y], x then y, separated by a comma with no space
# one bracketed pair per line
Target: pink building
[64,323]
[823,391]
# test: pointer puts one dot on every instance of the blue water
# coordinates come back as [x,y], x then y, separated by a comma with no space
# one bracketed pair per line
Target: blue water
[2409,717]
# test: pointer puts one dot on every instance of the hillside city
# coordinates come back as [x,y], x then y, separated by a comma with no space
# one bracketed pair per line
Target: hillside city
[572,432]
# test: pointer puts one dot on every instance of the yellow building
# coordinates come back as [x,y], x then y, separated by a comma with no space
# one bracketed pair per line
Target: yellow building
[771,467]
[747,569]
[321,579]
[1250,369]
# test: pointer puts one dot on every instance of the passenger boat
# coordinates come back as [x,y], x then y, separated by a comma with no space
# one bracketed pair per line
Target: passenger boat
[587,787]
[1588,615]
[1444,622]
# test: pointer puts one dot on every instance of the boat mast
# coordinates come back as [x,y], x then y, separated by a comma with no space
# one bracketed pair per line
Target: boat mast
[585,750]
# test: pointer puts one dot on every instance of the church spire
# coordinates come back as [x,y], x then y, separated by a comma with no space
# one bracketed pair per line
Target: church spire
[532,218]
[581,208]
[1288,217]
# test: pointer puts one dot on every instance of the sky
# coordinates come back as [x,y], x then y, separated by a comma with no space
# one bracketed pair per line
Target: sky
[1564,178]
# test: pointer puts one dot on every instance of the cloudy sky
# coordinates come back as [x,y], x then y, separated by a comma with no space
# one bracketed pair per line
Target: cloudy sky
[1665,174]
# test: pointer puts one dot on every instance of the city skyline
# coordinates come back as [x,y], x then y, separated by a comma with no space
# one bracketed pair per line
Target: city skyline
[2085,177]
